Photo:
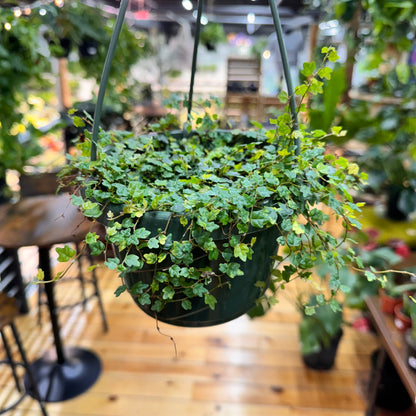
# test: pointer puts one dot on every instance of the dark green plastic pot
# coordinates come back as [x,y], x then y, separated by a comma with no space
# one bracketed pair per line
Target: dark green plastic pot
[233,299]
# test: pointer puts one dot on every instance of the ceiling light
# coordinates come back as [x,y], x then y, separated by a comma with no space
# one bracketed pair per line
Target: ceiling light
[266,54]
[251,17]
[187,4]
[204,19]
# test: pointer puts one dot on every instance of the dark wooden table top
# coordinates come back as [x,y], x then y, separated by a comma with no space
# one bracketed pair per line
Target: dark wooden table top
[41,221]
[394,343]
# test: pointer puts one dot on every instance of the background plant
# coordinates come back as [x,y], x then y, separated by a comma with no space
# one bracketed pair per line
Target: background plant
[21,63]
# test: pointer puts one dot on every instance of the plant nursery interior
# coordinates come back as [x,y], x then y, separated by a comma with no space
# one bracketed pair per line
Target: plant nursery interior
[208,207]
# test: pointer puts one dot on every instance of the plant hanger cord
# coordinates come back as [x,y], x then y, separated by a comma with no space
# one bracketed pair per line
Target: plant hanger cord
[286,70]
[113,44]
[195,55]
[105,75]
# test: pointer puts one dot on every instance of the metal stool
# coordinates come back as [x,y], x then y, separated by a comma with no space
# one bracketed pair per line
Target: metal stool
[11,278]
[8,312]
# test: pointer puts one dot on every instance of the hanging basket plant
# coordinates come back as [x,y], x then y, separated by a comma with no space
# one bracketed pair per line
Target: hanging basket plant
[196,216]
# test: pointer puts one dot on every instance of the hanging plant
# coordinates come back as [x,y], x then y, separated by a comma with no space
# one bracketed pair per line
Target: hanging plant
[187,210]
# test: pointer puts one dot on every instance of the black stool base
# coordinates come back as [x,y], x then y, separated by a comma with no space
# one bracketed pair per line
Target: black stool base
[59,382]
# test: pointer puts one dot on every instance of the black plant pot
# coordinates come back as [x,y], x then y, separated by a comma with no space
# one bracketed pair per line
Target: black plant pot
[235,298]
[391,393]
[61,50]
[324,359]
[88,48]
[393,212]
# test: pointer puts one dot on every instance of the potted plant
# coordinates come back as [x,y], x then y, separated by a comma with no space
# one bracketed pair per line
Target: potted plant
[410,335]
[187,210]
[402,311]
[320,331]
[69,24]
[212,34]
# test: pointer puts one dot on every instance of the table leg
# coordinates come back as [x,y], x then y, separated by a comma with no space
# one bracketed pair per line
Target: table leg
[374,382]
[44,264]
[62,373]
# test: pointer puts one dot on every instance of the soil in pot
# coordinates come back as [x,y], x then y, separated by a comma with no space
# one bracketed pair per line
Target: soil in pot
[324,359]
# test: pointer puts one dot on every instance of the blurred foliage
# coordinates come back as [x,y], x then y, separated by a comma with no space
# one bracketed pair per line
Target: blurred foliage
[21,63]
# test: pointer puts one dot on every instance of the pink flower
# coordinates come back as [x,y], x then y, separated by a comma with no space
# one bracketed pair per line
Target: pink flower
[372,233]
[402,250]
[361,324]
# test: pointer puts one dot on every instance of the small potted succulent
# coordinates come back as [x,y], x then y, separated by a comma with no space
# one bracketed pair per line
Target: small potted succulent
[410,335]
[213,34]
[402,311]
[320,331]
[196,215]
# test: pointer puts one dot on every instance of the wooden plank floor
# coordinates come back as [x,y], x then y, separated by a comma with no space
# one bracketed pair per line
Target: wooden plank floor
[242,368]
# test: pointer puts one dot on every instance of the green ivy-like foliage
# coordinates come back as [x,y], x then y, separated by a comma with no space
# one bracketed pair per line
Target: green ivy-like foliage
[213,179]
[21,62]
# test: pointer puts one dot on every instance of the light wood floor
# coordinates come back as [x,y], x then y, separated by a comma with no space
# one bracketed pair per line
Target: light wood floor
[243,368]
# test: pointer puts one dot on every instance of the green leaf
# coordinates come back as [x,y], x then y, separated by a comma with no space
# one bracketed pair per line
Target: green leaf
[151,258]
[301,90]
[153,243]
[168,292]
[370,275]
[199,289]
[210,301]
[333,56]
[65,253]
[142,233]
[112,263]
[91,238]
[144,299]
[77,200]
[78,121]
[120,290]
[325,72]
[96,248]
[283,97]
[242,251]
[308,68]
[40,275]
[132,260]
[91,209]
[186,304]
[138,288]
[231,269]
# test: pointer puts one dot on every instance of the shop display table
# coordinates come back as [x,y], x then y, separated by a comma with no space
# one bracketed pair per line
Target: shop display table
[394,345]
[44,221]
